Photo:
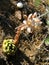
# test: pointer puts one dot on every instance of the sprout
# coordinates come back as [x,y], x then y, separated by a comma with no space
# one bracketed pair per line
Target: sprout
[20,5]
[47,41]
[8,47]
[27,24]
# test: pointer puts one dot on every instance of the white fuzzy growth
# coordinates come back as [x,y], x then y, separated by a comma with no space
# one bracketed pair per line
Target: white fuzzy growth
[35,19]
[38,21]
[24,21]
[20,5]
[29,30]
[35,14]
[29,16]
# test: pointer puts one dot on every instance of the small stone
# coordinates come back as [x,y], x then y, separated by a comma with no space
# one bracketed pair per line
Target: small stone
[20,5]
[18,15]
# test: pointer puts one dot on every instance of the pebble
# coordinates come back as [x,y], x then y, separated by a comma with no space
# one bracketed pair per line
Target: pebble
[20,5]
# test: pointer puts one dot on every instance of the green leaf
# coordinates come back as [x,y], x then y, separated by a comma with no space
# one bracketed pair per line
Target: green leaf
[47,22]
[47,41]
[37,3]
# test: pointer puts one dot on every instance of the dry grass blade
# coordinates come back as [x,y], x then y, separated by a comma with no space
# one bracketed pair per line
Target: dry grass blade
[38,47]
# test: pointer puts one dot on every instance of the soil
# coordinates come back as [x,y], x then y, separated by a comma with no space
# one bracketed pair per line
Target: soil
[31,48]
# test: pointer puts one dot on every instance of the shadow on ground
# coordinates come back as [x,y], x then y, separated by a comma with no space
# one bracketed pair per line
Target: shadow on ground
[16,59]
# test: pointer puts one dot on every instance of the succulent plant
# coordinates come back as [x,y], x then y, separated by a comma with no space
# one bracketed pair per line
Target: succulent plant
[8,47]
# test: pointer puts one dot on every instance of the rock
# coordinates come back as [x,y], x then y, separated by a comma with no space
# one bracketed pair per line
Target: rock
[20,5]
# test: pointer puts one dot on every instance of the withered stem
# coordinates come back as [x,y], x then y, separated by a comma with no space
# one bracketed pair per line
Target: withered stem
[18,32]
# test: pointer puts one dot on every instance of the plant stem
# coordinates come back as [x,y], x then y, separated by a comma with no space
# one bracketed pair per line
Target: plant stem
[43,14]
[18,33]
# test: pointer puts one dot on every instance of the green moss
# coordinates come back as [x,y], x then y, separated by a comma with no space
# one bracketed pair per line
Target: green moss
[8,47]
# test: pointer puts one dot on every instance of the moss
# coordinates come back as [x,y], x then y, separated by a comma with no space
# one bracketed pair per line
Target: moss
[8,47]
